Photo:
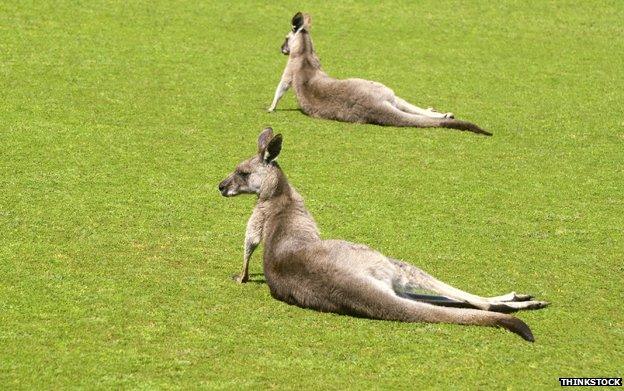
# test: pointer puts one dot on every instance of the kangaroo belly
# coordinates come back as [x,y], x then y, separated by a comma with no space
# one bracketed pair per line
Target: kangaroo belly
[331,276]
[350,100]
[302,284]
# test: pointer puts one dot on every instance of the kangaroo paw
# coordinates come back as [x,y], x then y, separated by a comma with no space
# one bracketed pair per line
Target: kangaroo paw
[521,297]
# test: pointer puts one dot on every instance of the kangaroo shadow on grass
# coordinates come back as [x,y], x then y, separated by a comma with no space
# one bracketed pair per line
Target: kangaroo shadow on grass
[257,278]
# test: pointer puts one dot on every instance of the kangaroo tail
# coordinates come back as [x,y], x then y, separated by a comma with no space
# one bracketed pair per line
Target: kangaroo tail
[517,326]
[463,125]
[388,306]
[394,117]
[458,124]
[435,314]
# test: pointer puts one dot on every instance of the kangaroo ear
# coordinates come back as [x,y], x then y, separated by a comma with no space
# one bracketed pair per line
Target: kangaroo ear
[263,140]
[297,21]
[273,149]
[307,21]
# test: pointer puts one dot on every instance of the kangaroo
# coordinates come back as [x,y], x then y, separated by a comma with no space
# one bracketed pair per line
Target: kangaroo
[341,277]
[350,100]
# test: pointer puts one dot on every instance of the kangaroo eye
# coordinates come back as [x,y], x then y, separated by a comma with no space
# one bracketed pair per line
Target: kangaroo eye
[243,174]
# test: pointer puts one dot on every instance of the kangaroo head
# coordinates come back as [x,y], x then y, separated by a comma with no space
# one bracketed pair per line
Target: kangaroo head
[260,173]
[300,25]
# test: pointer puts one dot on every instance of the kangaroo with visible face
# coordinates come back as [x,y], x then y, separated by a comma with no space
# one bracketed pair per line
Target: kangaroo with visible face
[350,100]
[341,277]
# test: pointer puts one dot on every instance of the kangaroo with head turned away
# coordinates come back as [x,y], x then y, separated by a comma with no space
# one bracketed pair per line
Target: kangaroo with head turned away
[341,277]
[350,100]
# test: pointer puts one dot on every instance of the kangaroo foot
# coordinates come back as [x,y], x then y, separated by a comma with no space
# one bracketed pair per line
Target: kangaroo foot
[512,306]
[436,113]
[512,296]
[241,279]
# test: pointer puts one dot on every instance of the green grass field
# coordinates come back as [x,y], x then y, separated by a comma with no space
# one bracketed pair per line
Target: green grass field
[119,119]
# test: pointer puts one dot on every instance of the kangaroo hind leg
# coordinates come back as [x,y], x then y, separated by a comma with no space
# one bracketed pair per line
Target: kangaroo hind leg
[407,107]
[419,280]
[438,300]
[405,286]
[378,301]
[511,296]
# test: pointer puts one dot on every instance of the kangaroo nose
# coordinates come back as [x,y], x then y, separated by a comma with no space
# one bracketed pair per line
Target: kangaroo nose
[221,187]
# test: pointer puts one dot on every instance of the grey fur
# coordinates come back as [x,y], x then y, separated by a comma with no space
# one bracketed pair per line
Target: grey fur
[350,100]
[341,277]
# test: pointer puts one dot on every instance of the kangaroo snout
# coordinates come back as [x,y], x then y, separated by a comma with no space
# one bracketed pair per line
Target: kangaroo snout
[223,187]
[285,49]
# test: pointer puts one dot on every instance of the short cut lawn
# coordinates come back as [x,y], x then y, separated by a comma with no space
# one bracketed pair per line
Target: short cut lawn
[119,119]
